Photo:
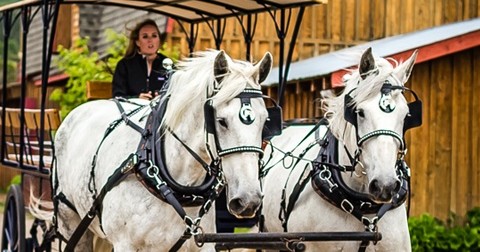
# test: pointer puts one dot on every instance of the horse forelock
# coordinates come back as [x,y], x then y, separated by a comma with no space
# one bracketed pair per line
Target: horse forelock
[195,77]
[240,76]
[360,90]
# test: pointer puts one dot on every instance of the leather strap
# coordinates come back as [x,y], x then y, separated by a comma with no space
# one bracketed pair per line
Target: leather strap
[120,174]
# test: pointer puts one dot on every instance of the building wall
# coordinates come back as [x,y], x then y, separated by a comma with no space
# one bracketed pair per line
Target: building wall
[444,152]
[94,20]
[336,25]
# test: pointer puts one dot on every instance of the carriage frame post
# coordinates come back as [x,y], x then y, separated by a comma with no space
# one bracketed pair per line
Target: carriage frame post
[6,19]
[46,60]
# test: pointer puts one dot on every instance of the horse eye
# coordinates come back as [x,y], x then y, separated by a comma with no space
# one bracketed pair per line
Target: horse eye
[360,113]
[222,122]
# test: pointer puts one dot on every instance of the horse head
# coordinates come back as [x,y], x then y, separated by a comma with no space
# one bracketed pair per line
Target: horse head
[370,118]
[237,127]
[233,112]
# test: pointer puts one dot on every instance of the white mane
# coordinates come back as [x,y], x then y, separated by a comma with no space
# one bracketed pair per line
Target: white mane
[334,106]
[187,92]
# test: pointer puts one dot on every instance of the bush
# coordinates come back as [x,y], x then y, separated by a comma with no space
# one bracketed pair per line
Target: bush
[81,66]
[430,234]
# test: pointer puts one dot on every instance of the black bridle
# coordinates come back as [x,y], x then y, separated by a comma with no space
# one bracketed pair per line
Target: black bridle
[326,178]
[413,119]
[210,127]
[272,127]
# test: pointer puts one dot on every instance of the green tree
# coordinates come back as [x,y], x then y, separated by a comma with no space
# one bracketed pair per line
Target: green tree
[13,49]
[81,66]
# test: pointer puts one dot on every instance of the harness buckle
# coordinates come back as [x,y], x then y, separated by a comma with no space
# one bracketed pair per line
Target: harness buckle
[152,172]
[326,176]
[346,206]
[207,205]
[365,204]
[192,225]
[370,225]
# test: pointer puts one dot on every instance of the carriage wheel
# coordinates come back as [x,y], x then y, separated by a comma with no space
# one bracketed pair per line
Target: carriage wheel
[13,230]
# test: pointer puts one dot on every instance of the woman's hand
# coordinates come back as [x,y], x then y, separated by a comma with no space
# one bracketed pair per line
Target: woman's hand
[146,96]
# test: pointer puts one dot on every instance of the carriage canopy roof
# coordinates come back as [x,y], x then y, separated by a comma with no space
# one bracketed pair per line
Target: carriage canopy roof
[192,11]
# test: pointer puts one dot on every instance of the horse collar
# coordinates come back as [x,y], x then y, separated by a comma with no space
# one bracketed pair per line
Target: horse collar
[152,171]
[334,190]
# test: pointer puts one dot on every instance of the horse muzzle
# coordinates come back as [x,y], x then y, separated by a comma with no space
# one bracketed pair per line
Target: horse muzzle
[245,206]
[383,192]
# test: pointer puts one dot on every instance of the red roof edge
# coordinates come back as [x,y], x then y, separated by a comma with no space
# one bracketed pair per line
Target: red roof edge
[427,52]
[52,79]
[169,26]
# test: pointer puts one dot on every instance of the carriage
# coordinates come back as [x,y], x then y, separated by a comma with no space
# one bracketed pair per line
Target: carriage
[232,141]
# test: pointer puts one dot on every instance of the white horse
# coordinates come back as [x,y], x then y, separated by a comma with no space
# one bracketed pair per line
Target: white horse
[369,124]
[211,90]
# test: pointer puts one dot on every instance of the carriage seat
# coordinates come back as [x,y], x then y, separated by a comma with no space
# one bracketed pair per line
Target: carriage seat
[99,90]
[31,137]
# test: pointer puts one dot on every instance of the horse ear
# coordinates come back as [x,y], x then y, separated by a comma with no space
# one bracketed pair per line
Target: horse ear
[264,67]
[220,68]
[367,63]
[404,70]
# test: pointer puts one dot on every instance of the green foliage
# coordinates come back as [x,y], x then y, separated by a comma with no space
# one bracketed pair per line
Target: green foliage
[171,52]
[4,2]
[81,66]
[430,234]
[13,49]
[118,46]
[16,180]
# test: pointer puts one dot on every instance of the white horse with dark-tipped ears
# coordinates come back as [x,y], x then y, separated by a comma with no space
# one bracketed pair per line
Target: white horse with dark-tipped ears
[347,173]
[204,134]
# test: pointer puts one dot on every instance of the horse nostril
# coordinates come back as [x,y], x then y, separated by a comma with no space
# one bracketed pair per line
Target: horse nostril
[384,192]
[374,187]
[235,204]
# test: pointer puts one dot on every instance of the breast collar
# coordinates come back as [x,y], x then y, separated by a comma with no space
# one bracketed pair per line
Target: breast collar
[329,184]
[151,149]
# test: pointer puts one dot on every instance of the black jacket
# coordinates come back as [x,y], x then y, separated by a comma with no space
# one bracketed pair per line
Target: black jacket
[130,78]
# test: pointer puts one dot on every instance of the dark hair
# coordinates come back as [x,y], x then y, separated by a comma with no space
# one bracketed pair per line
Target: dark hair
[134,35]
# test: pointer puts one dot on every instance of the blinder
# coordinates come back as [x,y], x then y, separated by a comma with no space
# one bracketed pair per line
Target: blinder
[349,113]
[412,120]
[273,124]
[414,116]
[209,113]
